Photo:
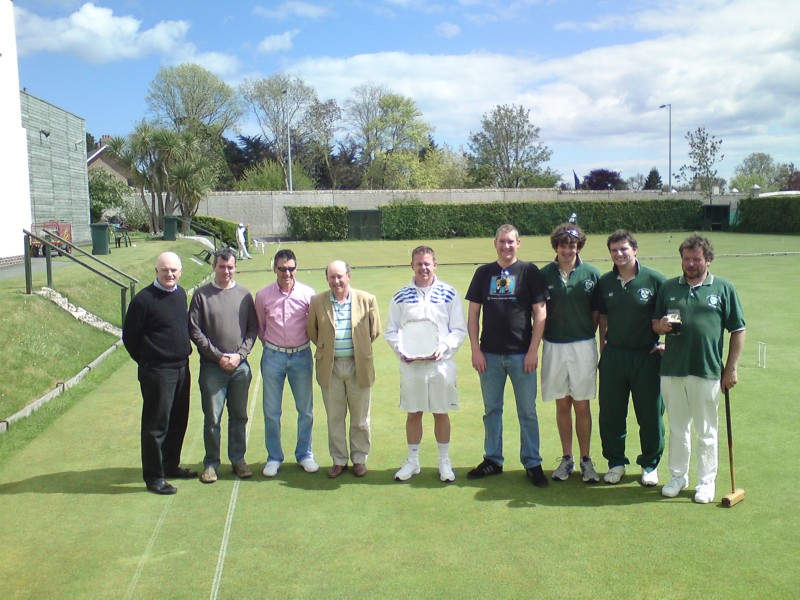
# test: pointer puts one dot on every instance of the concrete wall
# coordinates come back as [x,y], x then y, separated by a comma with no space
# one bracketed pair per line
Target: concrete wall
[15,202]
[264,212]
[57,162]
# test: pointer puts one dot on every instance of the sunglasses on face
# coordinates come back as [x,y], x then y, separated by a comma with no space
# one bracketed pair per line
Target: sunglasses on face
[284,269]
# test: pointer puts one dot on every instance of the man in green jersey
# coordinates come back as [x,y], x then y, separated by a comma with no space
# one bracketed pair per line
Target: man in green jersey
[569,353]
[694,310]
[629,361]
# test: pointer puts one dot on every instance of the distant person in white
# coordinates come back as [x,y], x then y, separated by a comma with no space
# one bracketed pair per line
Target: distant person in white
[427,384]
[240,241]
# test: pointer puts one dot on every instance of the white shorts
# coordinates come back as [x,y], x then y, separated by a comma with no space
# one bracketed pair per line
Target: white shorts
[569,370]
[428,386]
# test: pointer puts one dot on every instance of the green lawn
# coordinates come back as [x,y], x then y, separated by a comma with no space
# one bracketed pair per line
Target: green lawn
[77,522]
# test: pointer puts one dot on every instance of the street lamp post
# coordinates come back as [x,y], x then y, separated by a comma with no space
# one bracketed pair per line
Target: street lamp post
[669,106]
[289,145]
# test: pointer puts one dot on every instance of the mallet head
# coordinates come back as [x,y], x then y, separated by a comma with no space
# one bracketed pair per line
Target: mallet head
[734,497]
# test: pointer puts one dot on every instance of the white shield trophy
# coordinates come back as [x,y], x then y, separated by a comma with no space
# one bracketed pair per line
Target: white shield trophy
[418,339]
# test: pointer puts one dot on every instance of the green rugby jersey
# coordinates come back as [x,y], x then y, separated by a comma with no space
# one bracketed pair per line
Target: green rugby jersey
[629,307]
[570,307]
[707,310]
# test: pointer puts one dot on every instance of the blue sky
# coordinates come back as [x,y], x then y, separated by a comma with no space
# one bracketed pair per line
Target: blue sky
[592,73]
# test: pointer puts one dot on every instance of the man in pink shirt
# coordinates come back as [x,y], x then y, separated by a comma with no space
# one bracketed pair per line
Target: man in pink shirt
[282,309]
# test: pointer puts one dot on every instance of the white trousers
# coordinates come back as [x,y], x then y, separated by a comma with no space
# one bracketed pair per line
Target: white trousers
[692,401]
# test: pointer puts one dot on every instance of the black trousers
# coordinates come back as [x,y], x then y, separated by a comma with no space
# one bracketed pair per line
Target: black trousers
[165,415]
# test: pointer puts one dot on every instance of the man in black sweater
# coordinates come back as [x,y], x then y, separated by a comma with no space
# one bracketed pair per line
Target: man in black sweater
[156,335]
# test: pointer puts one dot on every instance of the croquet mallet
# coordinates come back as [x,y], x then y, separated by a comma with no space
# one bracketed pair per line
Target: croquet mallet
[736,495]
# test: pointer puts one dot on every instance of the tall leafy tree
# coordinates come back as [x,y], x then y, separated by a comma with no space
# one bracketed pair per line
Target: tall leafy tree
[322,123]
[361,112]
[188,94]
[506,152]
[759,168]
[279,104]
[105,191]
[704,152]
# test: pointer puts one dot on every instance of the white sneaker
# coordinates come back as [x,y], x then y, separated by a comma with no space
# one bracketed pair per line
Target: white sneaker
[674,486]
[704,493]
[271,468]
[407,471]
[446,470]
[614,474]
[565,467]
[588,472]
[309,466]
[650,478]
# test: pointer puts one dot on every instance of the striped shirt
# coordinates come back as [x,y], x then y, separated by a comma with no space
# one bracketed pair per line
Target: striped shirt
[343,345]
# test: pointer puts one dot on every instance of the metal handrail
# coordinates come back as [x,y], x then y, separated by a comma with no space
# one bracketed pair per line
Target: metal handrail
[49,247]
[202,229]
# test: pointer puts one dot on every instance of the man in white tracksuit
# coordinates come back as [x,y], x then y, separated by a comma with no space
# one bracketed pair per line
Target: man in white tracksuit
[427,384]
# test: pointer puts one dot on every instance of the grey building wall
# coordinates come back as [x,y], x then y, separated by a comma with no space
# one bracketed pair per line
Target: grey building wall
[57,165]
[264,212]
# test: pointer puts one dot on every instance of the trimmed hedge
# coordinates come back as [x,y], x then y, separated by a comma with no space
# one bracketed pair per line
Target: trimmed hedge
[317,223]
[776,214]
[225,229]
[416,220]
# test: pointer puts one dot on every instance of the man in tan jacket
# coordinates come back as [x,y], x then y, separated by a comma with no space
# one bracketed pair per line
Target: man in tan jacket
[343,323]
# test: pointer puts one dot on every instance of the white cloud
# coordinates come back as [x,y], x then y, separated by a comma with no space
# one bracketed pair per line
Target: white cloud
[278,43]
[288,10]
[95,35]
[448,30]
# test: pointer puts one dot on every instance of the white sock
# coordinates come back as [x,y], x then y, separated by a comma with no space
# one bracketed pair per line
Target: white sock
[413,453]
[444,450]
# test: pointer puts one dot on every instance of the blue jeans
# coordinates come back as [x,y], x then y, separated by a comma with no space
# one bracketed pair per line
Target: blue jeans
[276,367]
[493,383]
[218,387]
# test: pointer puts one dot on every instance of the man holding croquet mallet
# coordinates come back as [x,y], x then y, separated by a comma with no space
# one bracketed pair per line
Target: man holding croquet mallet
[629,360]
[429,306]
[694,310]
[512,296]
[569,353]
[156,335]
[223,325]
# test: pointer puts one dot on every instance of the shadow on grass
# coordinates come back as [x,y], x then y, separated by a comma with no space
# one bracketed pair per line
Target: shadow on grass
[93,481]
[512,487]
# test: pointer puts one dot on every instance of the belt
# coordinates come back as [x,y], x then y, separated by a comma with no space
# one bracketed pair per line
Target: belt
[286,350]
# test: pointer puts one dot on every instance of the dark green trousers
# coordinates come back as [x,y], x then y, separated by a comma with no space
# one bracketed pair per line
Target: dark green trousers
[633,373]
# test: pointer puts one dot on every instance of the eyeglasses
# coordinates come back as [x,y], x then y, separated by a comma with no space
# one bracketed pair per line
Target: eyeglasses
[284,269]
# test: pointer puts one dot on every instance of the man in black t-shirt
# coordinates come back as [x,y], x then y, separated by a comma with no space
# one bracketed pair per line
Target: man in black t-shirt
[511,293]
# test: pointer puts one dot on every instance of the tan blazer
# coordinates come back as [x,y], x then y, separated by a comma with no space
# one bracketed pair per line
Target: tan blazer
[366,328]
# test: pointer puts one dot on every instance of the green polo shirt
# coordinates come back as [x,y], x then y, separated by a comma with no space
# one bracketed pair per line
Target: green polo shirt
[571,303]
[707,310]
[629,307]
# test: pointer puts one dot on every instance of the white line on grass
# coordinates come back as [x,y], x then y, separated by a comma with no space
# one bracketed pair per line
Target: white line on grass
[156,532]
[149,549]
[223,549]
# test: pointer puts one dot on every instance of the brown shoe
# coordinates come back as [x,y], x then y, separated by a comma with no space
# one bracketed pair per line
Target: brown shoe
[209,475]
[336,470]
[242,470]
[359,469]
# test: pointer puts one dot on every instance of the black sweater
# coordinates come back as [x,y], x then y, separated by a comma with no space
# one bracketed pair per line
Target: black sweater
[156,328]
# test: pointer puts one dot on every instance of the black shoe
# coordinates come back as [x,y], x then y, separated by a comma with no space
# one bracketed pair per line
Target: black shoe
[487,467]
[537,476]
[180,473]
[161,487]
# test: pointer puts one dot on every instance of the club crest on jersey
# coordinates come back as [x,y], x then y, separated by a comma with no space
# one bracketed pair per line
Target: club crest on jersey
[588,285]
[713,301]
[645,294]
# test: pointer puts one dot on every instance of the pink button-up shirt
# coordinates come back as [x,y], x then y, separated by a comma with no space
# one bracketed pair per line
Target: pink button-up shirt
[282,316]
